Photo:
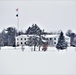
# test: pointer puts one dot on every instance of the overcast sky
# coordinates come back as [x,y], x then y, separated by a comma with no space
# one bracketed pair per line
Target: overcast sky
[49,15]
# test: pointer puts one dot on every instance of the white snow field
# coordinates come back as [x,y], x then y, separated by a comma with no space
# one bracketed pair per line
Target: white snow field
[16,61]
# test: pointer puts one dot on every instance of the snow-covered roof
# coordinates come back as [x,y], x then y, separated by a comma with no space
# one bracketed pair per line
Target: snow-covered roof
[66,36]
[21,36]
[25,36]
[49,36]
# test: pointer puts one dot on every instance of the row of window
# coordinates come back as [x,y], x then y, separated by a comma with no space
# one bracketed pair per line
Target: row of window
[25,43]
[25,38]
[21,43]
[21,38]
[51,38]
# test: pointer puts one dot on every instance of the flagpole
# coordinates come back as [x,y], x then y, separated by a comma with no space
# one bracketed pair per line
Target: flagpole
[17,15]
[17,19]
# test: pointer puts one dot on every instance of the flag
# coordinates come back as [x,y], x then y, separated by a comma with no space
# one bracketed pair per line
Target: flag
[16,15]
[17,9]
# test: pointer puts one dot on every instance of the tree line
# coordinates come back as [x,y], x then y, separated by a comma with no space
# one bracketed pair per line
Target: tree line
[7,36]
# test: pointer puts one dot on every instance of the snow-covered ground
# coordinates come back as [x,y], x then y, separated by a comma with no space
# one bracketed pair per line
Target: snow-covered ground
[16,61]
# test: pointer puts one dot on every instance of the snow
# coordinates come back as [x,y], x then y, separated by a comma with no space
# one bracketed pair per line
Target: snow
[26,36]
[52,61]
[49,36]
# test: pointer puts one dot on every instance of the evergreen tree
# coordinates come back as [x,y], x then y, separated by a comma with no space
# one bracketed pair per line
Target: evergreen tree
[61,42]
[33,30]
[11,33]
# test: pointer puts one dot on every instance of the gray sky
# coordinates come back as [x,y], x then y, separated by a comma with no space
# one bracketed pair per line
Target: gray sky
[49,15]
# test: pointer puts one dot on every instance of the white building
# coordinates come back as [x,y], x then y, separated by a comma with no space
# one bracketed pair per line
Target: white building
[22,39]
[52,40]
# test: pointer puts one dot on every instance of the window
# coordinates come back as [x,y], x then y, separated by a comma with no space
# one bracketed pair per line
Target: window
[21,38]
[50,38]
[24,38]
[54,42]
[21,42]
[54,38]
[47,38]
[25,43]
[17,43]
[17,38]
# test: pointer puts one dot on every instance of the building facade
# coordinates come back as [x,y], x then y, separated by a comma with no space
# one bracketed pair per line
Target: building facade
[51,40]
[21,40]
